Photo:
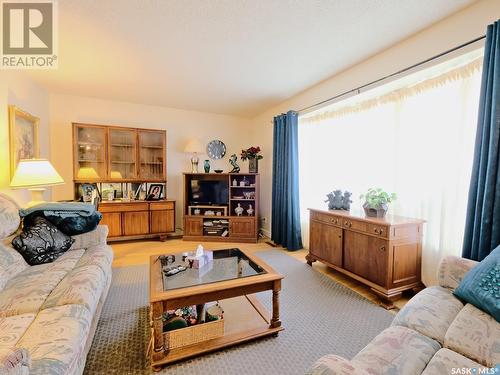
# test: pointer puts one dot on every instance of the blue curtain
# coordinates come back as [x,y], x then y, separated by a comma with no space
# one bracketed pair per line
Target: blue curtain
[285,208]
[482,228]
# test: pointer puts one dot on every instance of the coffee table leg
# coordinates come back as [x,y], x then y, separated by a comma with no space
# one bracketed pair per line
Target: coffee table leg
[158,347]
[275,321]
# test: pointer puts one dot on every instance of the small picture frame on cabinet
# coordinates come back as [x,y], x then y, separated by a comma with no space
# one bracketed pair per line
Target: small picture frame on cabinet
[155,192]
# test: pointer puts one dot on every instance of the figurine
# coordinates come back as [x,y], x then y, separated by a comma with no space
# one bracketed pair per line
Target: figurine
[232,161]
[346,201]
[250,210]
[337,201]
[235,183]
[239,210]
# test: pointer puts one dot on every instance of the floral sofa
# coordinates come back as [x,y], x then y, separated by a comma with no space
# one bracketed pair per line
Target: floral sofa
[434,334]
[49,312]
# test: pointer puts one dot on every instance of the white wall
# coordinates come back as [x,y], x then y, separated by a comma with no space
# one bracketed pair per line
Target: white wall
[179,124]
[17,88]
[455,30]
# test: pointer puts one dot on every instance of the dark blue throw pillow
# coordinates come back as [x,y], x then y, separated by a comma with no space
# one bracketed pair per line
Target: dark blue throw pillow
[481,285]
[71,226]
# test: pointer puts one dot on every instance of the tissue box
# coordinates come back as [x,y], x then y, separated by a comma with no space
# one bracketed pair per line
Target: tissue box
[199,261]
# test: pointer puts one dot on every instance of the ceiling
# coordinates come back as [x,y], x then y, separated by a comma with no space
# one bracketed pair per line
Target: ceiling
[238,57]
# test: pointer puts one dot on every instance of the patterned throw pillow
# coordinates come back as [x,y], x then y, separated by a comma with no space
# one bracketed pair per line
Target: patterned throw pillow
[481,285]
[41,242]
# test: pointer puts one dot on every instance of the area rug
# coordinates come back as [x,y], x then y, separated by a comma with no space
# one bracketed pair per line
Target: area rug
[319,315]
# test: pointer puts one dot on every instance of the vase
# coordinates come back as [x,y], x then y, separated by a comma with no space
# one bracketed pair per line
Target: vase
[206,166]
[379,211]
[253,165]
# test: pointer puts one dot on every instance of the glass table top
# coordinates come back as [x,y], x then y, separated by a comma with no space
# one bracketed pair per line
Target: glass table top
[226,265]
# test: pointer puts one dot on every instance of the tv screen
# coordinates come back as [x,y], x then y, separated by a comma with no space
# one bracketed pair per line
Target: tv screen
[206,192]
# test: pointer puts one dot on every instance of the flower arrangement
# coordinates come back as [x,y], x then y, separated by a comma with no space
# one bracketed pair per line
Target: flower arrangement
[251,153]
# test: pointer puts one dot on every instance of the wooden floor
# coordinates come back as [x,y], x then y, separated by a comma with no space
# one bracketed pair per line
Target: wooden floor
[138,252]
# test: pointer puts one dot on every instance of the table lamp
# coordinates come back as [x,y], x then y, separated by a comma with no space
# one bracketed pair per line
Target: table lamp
[34,175]
[87,173]
[194,147]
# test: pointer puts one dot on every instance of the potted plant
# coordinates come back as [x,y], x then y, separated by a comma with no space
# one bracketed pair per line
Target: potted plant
[377,202]
[252,154]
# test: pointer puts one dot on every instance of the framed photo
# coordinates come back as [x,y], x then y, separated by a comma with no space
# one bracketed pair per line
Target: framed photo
[155,191]
[23,137]
[90,194]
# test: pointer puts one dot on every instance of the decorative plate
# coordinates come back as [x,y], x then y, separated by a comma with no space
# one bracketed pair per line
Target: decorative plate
[216,149]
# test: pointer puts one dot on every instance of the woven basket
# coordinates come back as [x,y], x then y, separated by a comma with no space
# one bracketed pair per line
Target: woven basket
[194,334]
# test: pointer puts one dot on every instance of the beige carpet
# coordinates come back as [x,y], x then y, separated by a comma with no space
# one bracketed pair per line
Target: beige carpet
[319,315]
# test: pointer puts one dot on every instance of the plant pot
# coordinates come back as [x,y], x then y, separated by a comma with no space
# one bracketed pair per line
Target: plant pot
[379,211]
[253,166]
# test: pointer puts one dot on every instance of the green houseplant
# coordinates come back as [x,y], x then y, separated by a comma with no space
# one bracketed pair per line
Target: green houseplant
[377,202]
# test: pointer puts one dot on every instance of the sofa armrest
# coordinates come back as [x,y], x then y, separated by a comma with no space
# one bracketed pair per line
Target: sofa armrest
[93,238]
[14,361]
[334,365]
[452,270]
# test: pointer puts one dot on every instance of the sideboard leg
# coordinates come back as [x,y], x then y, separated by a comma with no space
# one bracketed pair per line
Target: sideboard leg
[310,259]
[387,300]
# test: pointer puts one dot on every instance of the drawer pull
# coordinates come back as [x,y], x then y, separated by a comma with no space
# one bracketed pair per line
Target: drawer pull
[382,248]
[334,220]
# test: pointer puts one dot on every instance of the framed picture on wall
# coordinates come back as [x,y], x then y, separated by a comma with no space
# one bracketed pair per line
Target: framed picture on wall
[23,136]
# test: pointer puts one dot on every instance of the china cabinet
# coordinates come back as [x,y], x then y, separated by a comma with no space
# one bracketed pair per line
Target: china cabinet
[118,154]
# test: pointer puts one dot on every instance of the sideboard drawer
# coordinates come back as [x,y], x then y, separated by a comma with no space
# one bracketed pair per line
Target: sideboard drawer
[355,225]
[378,230]
[325,218]
[161,206]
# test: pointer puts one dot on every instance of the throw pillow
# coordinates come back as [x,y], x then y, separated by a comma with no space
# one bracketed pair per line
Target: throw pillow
[9,216]
[481,285]
[41,242]
[71,225]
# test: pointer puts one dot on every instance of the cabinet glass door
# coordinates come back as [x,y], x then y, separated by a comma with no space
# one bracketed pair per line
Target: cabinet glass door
[122,154]
[152,155]
[90,153]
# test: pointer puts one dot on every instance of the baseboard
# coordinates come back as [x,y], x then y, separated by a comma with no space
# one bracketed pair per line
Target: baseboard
[265,232]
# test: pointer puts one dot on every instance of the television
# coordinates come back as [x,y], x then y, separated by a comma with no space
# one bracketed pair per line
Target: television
[208,192]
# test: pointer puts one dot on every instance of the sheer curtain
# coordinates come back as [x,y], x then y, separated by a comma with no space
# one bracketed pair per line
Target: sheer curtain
[414,137]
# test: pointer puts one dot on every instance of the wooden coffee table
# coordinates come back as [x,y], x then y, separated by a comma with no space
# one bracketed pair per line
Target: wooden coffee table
[233,278]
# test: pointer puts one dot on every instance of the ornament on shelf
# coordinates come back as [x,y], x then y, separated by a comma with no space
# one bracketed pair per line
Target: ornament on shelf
[206,166]
[250,210]
[238,210]
[232,160]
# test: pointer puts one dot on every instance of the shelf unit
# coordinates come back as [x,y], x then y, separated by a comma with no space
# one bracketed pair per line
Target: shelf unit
[243,228]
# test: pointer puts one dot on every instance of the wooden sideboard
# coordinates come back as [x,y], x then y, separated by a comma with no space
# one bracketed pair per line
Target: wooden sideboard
[138,219]
[383,253]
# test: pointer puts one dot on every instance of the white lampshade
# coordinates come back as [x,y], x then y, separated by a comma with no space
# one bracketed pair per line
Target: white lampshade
[194,146]
[115,174]
[35,173]
[87,173]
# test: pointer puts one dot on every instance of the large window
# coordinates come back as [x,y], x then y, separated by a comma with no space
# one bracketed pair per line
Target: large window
[414,137]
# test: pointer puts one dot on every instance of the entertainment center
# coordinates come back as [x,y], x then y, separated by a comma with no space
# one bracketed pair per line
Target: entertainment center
[221,207]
